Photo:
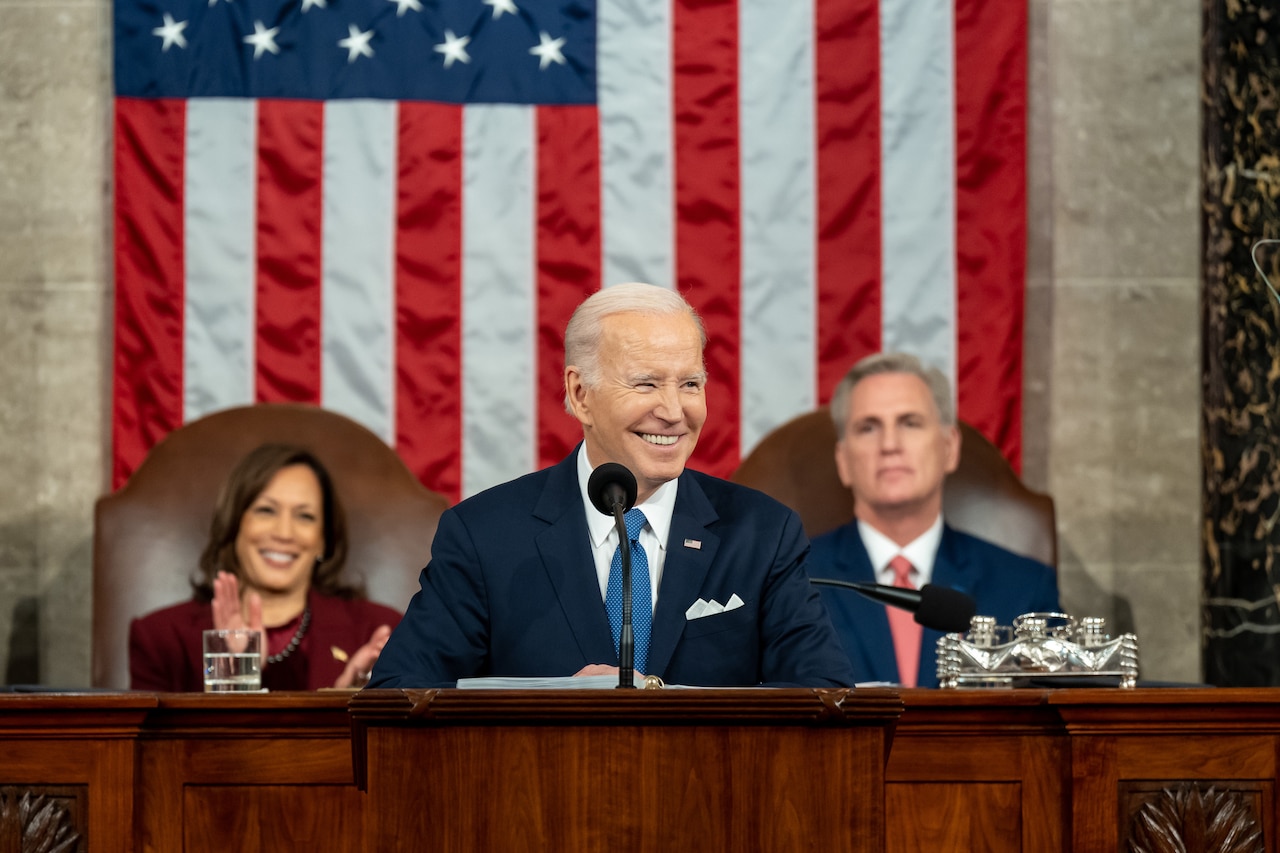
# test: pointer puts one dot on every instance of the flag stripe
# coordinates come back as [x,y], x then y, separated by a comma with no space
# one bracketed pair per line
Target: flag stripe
[148,247]
[635,102]
[428,265]
[821,178]
[569,262]
[497,302]
[847,84]
[918,189]
[290,139]
[359,238]
[776,61]
[991,215]
[708,236]
[218,234]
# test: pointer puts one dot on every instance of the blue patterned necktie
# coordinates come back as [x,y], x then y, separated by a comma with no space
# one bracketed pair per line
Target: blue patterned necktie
[641,598]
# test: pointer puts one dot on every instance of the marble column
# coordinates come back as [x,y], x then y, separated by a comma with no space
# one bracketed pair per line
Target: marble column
[1240,444]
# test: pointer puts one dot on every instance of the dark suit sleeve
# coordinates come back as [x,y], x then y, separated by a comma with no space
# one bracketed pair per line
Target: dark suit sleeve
[146,665]
[799,646]
[444,634]
[157,659]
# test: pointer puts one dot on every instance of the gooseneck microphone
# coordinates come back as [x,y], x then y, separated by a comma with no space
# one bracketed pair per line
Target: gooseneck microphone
[938,607]
[612,490]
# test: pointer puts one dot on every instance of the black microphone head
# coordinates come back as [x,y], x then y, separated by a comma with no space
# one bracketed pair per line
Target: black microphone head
[612,484]
[945,609]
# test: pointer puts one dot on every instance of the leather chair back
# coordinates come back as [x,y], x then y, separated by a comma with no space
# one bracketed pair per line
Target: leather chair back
[147,537]
[984,496]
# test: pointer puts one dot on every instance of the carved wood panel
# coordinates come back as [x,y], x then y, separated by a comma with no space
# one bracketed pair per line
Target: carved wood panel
[43,818]
[271,818]
[1204,816]
[959,817]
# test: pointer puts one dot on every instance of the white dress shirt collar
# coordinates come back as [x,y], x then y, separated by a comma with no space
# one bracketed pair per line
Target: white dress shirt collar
[922,551]
[657,509]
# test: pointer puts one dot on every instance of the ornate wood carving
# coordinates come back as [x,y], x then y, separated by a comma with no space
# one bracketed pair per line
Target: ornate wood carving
[42,819]
[1194,819]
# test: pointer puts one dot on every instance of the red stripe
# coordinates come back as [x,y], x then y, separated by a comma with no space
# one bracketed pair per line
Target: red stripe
[150,137]
[708,226]
[568,257]
[290,149]
[991,84]
[847,83]
[428,295]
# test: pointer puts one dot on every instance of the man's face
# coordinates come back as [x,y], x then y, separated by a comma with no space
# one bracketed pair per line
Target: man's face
[895,451]
[649,406]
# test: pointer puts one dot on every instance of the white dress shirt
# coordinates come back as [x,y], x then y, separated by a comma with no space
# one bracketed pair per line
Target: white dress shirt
[604,533]
[921,552]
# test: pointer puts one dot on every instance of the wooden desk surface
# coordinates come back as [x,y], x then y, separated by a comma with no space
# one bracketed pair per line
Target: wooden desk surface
[1031,770]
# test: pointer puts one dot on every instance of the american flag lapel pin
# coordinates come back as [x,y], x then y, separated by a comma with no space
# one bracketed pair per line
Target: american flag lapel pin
[695,544]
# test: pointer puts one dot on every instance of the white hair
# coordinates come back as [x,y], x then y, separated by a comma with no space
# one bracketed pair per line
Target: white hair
[893,362]
[586,327]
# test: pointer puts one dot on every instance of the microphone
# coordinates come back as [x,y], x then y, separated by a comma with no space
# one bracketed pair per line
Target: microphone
[612,489]
[612,485]
[939,607]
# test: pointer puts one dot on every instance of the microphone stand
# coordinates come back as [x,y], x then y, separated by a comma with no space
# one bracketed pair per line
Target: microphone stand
[938,607]
[626,641]
[908,599]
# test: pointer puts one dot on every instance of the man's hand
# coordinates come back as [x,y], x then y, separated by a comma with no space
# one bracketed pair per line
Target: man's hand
[604,669]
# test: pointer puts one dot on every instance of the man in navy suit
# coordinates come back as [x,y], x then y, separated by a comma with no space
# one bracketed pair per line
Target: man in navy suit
[520,574]
[896,441]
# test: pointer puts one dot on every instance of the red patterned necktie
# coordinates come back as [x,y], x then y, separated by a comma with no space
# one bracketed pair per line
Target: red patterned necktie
[905,629]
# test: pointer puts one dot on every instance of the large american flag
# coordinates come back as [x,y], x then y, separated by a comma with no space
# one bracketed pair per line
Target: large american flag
[390,208]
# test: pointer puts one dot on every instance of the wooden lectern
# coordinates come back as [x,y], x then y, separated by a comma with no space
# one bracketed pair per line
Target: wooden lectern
[624,770]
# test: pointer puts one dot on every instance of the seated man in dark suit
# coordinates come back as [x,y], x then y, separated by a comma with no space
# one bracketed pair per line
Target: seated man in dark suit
[896,441]
[524,578]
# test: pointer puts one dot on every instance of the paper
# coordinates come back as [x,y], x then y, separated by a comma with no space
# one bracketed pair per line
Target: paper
[562,682]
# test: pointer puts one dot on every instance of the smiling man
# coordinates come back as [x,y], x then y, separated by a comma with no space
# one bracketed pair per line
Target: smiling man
[523,579]
[896,441]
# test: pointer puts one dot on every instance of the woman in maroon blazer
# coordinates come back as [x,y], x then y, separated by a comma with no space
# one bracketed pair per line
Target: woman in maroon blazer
[274,561]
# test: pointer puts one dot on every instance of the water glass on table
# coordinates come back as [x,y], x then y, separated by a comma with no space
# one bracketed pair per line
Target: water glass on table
[232,660]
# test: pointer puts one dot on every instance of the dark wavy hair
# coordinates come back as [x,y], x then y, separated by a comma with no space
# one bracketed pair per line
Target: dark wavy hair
[242,487]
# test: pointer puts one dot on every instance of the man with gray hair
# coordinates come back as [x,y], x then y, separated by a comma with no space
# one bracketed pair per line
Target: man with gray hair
[525,578]
[896,441]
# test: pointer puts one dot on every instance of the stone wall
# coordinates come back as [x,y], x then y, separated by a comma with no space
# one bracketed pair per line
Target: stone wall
[1112,365]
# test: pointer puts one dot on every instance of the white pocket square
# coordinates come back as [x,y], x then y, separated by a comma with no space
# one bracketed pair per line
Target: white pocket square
[701,608]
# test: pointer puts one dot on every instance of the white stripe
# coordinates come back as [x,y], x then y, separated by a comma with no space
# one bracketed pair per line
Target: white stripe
[918,189]
[636,161]
[498,274]
[358,325]
[219,254]
[778,378]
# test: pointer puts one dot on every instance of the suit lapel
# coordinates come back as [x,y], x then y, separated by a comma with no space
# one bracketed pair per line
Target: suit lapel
[564,546]
[884,664]
[685,569]
[951,569]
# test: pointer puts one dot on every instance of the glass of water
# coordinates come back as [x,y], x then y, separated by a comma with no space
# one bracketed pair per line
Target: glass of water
[232,660]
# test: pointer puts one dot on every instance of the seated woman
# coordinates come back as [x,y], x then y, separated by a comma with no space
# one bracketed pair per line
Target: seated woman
[274,561]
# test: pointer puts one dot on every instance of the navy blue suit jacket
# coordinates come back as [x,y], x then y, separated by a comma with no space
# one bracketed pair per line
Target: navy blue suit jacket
[511,590]
[1003,585]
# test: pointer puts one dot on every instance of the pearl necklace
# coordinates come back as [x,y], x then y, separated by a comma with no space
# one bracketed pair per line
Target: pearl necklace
[295,640]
